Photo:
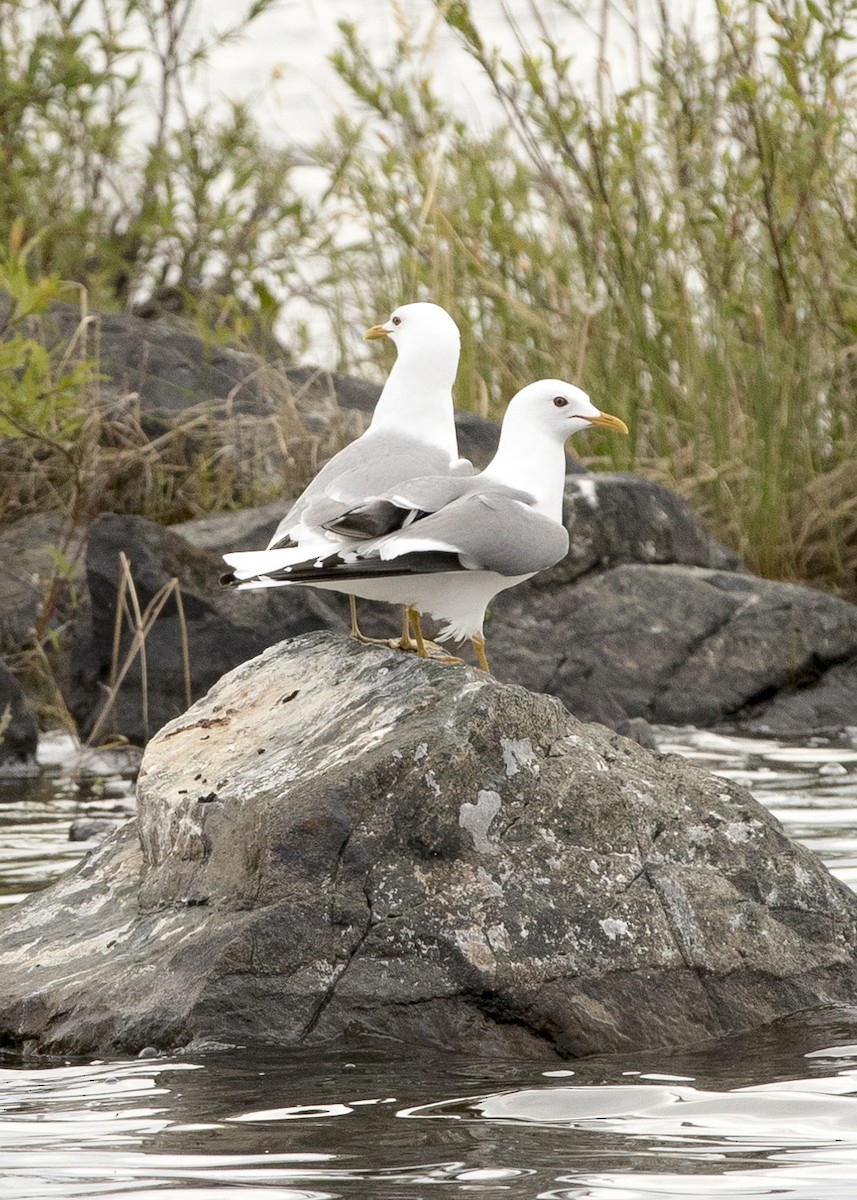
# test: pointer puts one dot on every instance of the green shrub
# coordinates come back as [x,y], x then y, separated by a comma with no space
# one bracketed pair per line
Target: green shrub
[127,199]
[686,250]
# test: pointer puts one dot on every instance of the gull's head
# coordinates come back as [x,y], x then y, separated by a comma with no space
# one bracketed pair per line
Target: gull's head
[421,328]
[560,409]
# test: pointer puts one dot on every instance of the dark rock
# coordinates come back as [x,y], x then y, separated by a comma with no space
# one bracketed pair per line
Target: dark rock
[620,630]
[19,734]
[677,645]
[165,368]
[87,829]
[478,439]
[639,731]
[619,518]
[224,627]
[313,384]
[421,853]
[247,529]
[819,702]
[168,370]
[649,619]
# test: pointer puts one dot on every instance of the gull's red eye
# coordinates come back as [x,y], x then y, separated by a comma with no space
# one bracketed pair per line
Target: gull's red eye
[397,320]
[560,401]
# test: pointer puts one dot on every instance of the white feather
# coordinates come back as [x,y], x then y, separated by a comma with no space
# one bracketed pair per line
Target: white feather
[248,563]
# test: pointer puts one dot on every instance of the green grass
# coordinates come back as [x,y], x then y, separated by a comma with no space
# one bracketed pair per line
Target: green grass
[686,250]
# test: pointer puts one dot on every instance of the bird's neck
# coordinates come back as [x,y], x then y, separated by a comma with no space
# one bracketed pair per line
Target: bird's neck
[532,462]
[418,397]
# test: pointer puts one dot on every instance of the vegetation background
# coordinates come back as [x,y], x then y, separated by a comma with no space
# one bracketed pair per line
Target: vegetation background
[685,248]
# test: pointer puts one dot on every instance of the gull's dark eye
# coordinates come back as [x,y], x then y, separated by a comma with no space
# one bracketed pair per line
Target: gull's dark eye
[560,401]
[397,320]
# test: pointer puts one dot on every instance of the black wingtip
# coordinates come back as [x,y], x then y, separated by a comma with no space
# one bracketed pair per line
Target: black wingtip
[228,580]
[368,520]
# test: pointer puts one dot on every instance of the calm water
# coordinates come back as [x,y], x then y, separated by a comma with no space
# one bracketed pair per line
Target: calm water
[770,1113]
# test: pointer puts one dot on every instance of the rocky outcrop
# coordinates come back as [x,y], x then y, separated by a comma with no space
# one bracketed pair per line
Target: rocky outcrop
[613,519]
[342,840]
[823,700]
[619,518]
[646,619]
[162,371]
[685,645]
[167,369]
[18,730]
[649,618]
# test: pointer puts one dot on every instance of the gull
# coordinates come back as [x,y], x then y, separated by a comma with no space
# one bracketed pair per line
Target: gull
[445,546]
[412,433]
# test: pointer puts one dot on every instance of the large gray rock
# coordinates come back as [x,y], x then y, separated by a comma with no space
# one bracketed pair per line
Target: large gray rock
[615,518]
[342,840]
[821,701]
[245,529]
[683,645]
[612,519]
[646,618]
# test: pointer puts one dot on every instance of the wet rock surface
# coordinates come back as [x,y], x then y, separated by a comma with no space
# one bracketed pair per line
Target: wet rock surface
[89,829]
[341,840]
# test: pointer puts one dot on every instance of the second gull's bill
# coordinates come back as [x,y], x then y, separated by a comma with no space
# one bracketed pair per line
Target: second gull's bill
[445,546]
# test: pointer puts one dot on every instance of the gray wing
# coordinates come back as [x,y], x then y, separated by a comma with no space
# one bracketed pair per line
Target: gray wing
[492,530]
[376,463]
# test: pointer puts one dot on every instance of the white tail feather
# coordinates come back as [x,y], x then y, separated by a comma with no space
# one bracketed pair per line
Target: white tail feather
[249,563]
[261,581]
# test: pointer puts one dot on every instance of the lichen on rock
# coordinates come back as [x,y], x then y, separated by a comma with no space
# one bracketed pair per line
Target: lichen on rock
[333,842]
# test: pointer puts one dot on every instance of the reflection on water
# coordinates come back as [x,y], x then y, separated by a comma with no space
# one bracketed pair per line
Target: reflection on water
[769,1113]
[37,811]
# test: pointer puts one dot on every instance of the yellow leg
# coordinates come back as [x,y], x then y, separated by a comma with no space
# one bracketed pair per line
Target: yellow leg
[424,647]
[478,644]
[436,652]
[418,633]
[428,648]
[355,629]
[404,642]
